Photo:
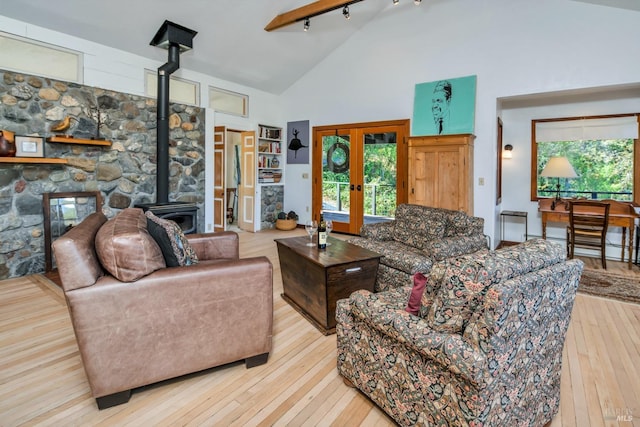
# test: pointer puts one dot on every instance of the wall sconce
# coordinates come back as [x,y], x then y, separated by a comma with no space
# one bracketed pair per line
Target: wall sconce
[507,152]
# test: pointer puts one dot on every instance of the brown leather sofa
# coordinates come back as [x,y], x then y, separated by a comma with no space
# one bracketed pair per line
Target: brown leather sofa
[171,322]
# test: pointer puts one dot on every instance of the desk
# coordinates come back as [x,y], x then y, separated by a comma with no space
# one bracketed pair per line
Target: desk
[620,215]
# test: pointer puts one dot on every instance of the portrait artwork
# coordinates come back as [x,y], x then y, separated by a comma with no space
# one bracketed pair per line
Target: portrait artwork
[444,107]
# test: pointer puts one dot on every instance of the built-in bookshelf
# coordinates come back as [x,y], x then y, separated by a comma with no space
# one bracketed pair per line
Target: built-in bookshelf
[270,163]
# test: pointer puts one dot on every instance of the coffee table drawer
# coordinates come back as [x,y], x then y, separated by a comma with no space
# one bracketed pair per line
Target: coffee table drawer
[344,279]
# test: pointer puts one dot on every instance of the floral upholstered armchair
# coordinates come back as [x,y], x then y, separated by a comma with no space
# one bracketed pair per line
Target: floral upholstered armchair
[483,349]
[418,237]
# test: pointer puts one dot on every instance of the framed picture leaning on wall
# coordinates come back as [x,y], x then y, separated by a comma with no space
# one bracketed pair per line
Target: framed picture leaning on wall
[29,146]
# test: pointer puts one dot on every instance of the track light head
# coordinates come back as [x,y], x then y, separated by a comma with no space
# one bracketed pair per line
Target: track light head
[417,2]
[395,2]
[345,12]
[307,23]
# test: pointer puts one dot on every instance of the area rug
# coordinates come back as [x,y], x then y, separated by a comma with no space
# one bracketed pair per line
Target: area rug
[610,285]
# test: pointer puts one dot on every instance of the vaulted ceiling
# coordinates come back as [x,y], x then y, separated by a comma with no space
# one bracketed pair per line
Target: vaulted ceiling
[231,43]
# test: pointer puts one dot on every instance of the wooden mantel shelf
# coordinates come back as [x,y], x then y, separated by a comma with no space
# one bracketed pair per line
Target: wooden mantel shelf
[39,160]
[71,140]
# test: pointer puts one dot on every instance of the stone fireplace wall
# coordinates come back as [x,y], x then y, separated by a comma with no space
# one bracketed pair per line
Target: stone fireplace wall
[124,173]
[271,203]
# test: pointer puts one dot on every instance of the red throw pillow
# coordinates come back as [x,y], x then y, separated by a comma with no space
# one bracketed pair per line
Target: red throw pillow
[415,299]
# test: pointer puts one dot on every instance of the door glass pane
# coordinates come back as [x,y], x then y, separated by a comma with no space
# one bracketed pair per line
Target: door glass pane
[380,172]
[336,176]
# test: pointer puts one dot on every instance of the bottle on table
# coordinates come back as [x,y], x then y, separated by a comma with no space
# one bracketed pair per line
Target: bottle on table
[322,233]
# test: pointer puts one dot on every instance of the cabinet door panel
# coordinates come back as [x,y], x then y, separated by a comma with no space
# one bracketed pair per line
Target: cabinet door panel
[441,172]
[448,179]
[423,176]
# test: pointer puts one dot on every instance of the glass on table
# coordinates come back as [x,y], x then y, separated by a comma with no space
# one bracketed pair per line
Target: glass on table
[311,226]
[329,224]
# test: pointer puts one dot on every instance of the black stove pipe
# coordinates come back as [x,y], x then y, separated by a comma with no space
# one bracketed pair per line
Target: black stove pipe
[162,130]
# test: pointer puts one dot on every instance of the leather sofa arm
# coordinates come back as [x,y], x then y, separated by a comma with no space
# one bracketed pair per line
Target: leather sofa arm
[450,351]
[221,245]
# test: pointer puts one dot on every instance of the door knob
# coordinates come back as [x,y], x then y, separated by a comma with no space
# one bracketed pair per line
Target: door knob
[351,187]
[359,187]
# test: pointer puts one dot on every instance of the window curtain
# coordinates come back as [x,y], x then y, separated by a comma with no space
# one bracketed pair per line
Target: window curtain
[588,129]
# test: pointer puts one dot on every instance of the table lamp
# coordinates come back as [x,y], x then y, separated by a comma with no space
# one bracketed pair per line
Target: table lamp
[558,167]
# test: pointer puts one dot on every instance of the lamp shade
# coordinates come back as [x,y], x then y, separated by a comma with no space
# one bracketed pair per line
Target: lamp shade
[558,167]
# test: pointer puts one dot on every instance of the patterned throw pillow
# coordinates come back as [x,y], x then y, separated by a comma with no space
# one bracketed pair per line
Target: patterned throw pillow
[174,245]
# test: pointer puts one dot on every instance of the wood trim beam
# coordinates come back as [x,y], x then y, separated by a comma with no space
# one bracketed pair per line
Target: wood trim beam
[307,11]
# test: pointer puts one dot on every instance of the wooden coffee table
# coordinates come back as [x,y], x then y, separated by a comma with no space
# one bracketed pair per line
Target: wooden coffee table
[314,279]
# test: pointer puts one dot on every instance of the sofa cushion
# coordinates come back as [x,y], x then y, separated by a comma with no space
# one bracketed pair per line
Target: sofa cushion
[459,223]
[465,279]
[397,255]
[125,248]
[416,225]
[173,243]
[448,247]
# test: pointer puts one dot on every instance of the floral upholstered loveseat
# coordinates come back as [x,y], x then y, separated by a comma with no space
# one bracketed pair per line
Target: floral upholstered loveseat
[418,237]
[485,348]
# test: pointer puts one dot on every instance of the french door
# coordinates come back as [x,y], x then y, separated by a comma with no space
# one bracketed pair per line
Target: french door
[359,172]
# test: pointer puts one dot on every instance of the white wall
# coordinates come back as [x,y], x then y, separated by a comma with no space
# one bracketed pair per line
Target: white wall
[515,47]
[113,69]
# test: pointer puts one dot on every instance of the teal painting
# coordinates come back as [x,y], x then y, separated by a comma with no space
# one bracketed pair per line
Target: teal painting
[444,107]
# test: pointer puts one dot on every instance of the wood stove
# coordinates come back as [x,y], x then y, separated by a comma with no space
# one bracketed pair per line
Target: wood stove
[184,214]
[176,39]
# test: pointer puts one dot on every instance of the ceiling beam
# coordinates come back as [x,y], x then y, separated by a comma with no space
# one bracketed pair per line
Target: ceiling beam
[307,11]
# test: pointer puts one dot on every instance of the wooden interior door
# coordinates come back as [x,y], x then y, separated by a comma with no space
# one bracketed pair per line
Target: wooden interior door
[247,185]
[219,172]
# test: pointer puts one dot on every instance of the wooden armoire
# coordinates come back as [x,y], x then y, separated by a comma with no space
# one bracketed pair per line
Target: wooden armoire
[441,171]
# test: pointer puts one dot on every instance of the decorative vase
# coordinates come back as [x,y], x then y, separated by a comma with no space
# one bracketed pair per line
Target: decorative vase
[275,162]
[7,148]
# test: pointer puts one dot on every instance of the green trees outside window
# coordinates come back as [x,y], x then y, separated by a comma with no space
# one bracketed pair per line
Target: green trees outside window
[604,168]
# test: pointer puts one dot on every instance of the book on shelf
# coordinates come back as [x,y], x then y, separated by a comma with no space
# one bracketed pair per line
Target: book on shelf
[269,148]
[270,133]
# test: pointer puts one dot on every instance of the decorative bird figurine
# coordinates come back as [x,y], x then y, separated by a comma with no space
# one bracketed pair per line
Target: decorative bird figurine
[62,125]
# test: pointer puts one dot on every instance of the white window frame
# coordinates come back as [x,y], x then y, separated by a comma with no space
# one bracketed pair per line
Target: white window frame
[188,90]
[221,108]
[44,53]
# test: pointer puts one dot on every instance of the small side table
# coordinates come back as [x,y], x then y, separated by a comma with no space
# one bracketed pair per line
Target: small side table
[518,214]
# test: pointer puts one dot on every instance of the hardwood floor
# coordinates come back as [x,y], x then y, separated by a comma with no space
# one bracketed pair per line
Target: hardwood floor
[42,381]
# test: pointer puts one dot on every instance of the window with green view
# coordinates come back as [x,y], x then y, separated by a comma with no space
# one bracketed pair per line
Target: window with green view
[604,169]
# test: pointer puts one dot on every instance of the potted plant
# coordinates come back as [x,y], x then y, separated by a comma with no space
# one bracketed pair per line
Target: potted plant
[287,221]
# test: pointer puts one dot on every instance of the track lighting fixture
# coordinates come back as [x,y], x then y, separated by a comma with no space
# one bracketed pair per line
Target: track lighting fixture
[345,12]
[395,2]
[307,22]
[417,2]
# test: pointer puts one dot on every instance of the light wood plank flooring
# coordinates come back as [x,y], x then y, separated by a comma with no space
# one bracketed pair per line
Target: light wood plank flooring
[42,381]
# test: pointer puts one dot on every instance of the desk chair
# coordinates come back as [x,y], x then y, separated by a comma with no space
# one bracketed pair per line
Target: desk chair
[588,222]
